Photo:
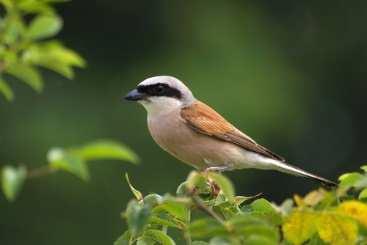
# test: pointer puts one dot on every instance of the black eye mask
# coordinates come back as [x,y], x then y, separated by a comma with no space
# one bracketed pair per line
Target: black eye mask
[159,89]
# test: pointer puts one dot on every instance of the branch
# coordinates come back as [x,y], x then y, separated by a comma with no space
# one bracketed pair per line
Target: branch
[41,171]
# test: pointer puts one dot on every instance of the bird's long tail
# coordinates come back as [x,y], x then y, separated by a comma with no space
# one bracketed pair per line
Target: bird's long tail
[287,168]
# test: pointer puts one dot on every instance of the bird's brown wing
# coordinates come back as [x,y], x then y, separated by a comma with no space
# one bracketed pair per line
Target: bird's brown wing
[203,119]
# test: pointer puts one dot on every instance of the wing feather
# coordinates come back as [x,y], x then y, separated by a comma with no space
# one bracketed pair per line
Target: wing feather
[203,119]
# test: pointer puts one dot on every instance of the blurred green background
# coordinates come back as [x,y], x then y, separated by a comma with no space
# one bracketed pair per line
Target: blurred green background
[292,74]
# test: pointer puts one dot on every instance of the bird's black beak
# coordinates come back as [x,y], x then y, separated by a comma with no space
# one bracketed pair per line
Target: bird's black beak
[134,95]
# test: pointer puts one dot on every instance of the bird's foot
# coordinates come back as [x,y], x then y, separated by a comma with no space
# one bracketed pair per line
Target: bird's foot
[217,169]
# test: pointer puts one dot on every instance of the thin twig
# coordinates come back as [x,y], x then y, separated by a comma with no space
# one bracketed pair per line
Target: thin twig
[41,171]
[207,210]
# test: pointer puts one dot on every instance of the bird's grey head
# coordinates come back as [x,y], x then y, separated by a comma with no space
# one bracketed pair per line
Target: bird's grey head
[161,94]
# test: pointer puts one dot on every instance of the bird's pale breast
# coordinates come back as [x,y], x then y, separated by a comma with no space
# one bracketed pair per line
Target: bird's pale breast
[172,133]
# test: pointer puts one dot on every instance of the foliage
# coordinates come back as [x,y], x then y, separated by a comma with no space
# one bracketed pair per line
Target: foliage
[205,210]
[27,42]
[27,30]
[74,160]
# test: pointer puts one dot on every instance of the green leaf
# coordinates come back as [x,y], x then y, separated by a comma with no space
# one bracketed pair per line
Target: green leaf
[182,189]
[124,239]
[199,243]
[12,180]
[159,236]
[137,216]
[364,168]
[54,56]
[206,228]
[262,208]
[196,181]
[224,184]
[44,26]
[219,241]
[165,221]
[143,240]
[250,227]
[6,90]
[35,7]
[153,199]
[241,199]
[27,74]
[363,194]
[106,149]
[11,30]
[67,161]
[176,209]
[136,193]
[265,231]
[350,179]
[255,239]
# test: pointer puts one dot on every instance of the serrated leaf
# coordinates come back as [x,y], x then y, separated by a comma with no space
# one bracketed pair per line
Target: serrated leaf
[356,210]
[44,26]
[26,74]
[224,184]
[12,180]
[67,161]
[106,149]
[159,236]
[137,216]
[299,226]
[124,239]
[136,193]
[6,90]
[336,229]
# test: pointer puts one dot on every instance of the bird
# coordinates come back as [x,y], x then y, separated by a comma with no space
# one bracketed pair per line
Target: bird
[196,134]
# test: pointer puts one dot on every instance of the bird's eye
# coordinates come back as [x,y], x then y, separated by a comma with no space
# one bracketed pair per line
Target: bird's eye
[159,89]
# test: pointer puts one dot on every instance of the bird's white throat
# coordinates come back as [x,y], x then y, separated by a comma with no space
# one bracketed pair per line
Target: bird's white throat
[160,105]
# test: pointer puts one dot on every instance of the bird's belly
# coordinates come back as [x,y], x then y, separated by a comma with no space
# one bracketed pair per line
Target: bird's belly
[200,151]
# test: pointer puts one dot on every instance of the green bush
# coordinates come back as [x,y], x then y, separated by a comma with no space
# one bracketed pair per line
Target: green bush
[205,210]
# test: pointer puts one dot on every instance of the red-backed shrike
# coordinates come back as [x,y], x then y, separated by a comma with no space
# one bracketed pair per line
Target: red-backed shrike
[196,134]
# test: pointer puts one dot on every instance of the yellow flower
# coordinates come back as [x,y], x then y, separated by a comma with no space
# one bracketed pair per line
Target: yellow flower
[337,229]
[300,226]
[356,210]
